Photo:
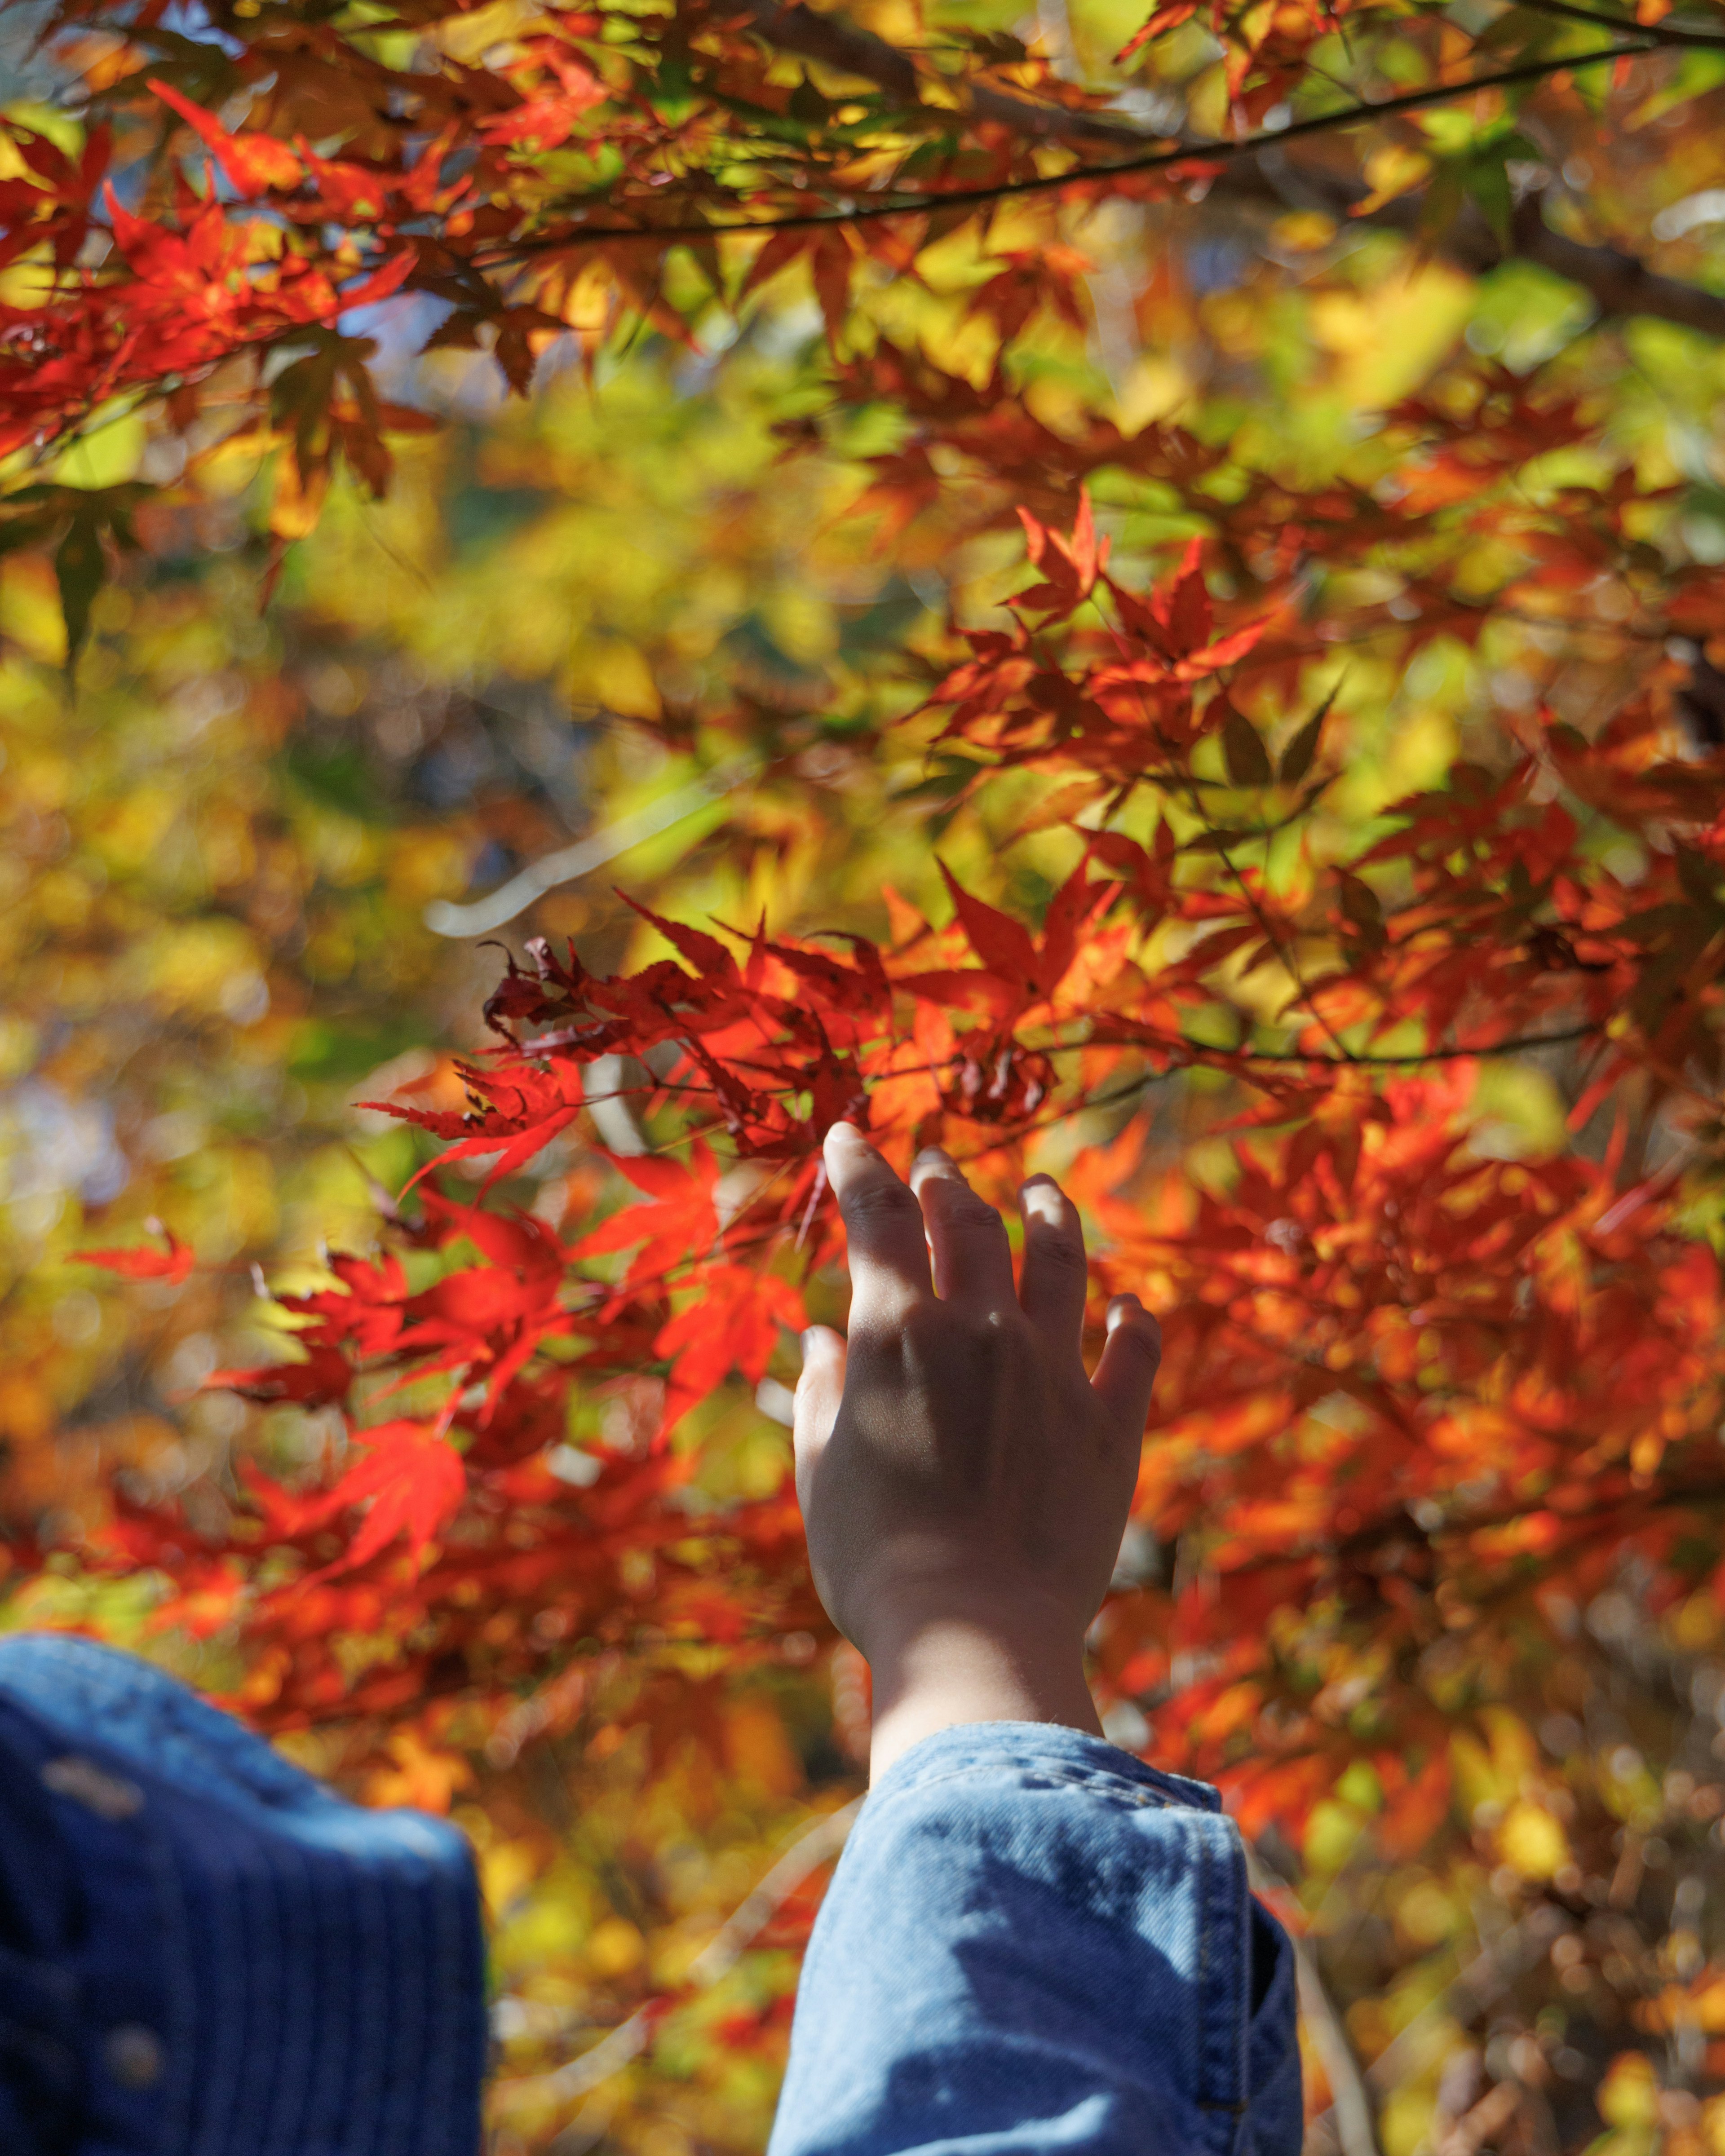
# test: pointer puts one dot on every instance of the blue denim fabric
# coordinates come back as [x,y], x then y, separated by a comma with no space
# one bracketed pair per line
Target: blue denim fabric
[1035,1943]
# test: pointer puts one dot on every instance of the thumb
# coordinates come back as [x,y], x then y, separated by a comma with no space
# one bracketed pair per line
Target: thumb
[819,1390]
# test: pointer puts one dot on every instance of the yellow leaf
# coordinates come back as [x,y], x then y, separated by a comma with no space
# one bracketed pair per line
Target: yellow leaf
[506,1870]
[1628,2095]
[295,509]
[1532,1842]
[1388,342]
[1390,171]
[106,456]
[614,1947]
[1303,231]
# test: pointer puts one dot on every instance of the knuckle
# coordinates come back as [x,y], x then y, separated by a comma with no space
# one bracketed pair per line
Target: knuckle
[1059,1248]
[978,1221]
[978,1350]
[1143,1335]
[943,1333]
[929,1326]
[960,1205]
[878,1201]
[955,1198]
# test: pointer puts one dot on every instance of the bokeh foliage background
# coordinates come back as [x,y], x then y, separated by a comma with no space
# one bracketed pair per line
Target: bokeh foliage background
[225,826]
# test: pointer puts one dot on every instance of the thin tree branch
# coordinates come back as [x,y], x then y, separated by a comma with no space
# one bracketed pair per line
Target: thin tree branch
[1287,957]
[1485,1979]
[1523,1046]
[1350,2111]
[1619,282]
[480,917]
[816,1845]
[1620,285]
[1350,2106]
[1082,176]
[1660,33]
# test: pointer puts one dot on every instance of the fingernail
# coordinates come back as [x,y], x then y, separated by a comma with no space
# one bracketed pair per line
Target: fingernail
[932,1157]
[1042,1200]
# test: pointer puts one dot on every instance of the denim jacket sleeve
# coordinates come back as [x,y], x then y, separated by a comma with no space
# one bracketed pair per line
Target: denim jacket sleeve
[1035,1942]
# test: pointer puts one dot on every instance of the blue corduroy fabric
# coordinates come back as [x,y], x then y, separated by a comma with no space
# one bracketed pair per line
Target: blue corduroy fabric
[203,1952]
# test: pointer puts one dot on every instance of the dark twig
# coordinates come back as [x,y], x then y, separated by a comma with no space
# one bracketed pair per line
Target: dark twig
[1659,33]
[1198,155]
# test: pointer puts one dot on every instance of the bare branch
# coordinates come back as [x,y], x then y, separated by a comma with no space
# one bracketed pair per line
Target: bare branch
[1620,284]
[1524,1045]
[816,1845]
[1351,2106]
[1097,176]
[1666,32]
[1350,2113]
[480,916]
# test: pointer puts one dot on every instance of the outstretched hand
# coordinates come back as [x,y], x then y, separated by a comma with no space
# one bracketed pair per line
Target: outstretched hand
[964,1483]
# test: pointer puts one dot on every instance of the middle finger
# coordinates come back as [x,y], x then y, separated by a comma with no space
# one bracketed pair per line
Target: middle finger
[972,1258]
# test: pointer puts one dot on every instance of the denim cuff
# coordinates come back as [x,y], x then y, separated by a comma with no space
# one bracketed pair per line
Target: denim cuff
[1050,1748]
[1036,1944]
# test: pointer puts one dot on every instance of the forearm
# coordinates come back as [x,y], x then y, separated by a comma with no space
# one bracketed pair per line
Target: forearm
[941,1659]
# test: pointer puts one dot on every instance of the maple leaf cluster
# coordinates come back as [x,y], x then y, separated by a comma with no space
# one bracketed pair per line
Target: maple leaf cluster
[1407,1384]
[1428,1406]
[243,188]
[533,194]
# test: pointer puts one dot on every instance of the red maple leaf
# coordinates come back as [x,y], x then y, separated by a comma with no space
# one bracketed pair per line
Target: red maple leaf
[410,1478]
[731,1321]
[680,1222]
[254,163]
[173,1264]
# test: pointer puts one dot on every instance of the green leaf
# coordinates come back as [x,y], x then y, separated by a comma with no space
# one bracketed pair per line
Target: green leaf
[81,567]
[1359,904]
[27,530]
[1296,758]
[1698,877]
[1488,183]
[1243,751]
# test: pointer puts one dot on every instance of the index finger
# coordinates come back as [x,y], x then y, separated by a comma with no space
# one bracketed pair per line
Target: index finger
[883,1225]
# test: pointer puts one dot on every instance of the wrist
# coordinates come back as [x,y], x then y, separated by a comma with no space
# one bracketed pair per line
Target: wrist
[952,1654]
